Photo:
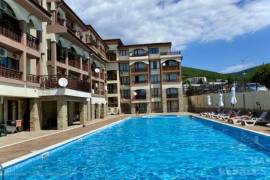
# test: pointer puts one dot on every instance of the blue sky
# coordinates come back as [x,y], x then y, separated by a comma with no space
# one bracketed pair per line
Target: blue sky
[218,35]
[229,56]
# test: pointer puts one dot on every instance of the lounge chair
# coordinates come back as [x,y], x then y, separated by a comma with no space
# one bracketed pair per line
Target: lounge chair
[254,121]
[228,116]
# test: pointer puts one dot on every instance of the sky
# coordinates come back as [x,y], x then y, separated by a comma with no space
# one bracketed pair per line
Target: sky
[219,35]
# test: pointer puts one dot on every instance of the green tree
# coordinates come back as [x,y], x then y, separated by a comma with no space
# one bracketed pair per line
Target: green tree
[262,75]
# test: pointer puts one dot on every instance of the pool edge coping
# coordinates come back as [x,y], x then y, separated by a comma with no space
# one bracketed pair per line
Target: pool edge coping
[230,125]
[57,145]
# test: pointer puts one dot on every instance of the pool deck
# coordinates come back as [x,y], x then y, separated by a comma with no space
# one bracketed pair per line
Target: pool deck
[23,143]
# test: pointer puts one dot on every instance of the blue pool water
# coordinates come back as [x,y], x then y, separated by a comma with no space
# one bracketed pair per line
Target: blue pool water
[160,147]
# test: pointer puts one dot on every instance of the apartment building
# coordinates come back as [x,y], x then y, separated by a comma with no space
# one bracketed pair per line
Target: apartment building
[56,71]
[144,78]
[52,66]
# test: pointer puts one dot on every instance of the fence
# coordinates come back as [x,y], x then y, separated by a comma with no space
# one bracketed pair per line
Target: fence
[253,101]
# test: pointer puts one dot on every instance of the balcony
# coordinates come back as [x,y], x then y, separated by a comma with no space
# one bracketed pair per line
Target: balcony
[51,82]
[171,96]
[140,82]
[10,73]
[75,63]
[171,68]
[11,33]
[139,70]
[172,53]
[139,97]
[32,78]
[32,42]
[85,66]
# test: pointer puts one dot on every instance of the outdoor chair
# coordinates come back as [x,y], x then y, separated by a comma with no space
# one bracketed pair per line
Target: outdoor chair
[253,121]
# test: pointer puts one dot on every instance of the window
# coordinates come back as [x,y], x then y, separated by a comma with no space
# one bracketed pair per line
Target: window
[155,92]
[111,75]
[156,107]
[140,79]
[171,77]
[153,50]
[172,93]
[154,64]
[123,53]
[139,52]
[155,79]
[125,94]
[124,67]
[140,67]
[124,80]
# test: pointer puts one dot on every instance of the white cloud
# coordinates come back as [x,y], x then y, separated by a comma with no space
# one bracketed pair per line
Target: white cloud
[238,67]
[181,22]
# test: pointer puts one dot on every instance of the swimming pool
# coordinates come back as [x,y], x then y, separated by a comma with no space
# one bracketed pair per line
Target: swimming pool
[154,147]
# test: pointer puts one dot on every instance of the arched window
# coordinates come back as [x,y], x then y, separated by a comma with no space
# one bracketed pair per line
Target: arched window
[139,67]
[170,63]
[61,56]
[72,54]
[5,8]
[139,52]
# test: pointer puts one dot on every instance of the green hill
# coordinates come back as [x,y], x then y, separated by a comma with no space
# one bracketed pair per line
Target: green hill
[188,72]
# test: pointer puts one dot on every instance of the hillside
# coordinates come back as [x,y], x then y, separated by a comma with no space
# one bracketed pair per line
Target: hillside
[193,72]
[188,72]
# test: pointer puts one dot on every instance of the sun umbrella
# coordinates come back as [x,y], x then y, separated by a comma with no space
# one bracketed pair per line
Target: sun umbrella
[209,102]
[220,102]
[233,96]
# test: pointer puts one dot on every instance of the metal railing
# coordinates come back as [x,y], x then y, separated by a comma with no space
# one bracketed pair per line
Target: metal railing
[171,53]
[32,42]
[10,33]
[10,73]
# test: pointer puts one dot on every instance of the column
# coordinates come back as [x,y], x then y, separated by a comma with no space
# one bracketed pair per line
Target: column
[133,108]
[99,111]
[54,56]
[93,111]
[14,110]
[20,109]
[181,100]
[1,111]
[5,110]
[62,121]
[35,115]
[89,111]
[83,112]
[23,60]
[164,101]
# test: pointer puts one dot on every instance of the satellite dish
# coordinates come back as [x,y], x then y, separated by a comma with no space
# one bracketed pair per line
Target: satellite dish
[135,93]
[97,70]
[164,64]
[63,82]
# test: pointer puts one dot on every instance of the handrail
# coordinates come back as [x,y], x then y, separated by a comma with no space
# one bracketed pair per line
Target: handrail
[2,170]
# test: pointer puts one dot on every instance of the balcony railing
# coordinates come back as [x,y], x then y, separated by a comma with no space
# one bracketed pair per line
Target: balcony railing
[171,53]
[139,54]
[140,82]
[102,74]
[139,97]
[138,70]
[10,33]
[74,63]
[32,42]
[10,73]
[172,80]
[51,82]
[169,96]
[170,68]
[85,66]
[32,78]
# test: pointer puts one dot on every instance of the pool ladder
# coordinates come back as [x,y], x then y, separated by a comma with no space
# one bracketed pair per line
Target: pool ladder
[2,171]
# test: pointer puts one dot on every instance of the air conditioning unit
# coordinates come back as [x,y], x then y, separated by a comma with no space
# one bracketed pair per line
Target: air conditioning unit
[3,52]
